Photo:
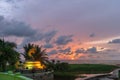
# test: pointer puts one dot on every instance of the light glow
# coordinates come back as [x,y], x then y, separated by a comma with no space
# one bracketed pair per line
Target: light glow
[33,64]
[72,58]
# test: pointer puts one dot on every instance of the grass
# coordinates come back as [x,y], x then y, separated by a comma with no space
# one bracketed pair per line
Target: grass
[8,68]
[76,69]
[91,68]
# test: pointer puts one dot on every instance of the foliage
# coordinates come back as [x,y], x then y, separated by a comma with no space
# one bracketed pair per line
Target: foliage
[58,66]
[35,53]
[7,54]
[27,48]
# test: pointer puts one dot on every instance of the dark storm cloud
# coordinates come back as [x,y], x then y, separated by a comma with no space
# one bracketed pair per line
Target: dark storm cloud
[52,52]
[67,50]
[15,28]
[79,17]
[1,18]
[115,41]
[92,35]
[20,29]
[43,36]
[48,45]
[49,36]
[63,40]
[92,50]
[89,50]
[80,51]
[85,15]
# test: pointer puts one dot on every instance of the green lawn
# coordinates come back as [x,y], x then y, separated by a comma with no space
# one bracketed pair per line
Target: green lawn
[75,69]
[91,68]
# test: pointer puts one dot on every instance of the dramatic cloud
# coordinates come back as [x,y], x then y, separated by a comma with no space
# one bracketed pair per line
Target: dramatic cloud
[43,36]
[80,51]
[20,29]
[92,35]
[84,16]
[67,50]
[115,41]
[89,50]
[63,40]
[1,18]
[92,50]
[47,45]
[52,52]
[85,19]
[15,28]
[49,35]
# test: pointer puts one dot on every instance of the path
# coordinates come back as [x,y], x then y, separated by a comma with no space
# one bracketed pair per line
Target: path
[88,76]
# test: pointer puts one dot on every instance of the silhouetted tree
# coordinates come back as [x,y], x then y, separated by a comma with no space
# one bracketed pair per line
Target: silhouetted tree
[8,54]
[35,53]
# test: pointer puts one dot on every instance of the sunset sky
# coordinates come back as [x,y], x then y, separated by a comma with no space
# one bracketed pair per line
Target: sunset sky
[68,29]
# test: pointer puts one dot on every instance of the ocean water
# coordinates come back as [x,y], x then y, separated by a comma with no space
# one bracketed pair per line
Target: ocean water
[110,62]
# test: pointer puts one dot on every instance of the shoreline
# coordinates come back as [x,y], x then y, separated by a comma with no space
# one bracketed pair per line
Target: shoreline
[108,62]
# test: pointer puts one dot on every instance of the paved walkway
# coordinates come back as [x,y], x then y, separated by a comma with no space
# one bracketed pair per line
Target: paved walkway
[90,76]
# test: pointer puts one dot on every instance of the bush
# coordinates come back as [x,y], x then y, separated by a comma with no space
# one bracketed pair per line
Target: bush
[59,66]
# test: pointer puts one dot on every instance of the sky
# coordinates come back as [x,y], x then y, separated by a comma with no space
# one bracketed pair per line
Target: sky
[68,29]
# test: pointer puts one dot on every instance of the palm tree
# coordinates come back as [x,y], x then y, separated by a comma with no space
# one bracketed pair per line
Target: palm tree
[7,54]
[27,49]
[40,55]
[35,53]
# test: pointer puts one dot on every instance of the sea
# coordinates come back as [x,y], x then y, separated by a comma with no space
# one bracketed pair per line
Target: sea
[109,62]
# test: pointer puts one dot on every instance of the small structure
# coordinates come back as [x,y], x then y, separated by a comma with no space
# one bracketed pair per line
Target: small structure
[33,64]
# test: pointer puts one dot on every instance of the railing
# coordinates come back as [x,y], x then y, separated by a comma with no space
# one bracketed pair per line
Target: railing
[10,76]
